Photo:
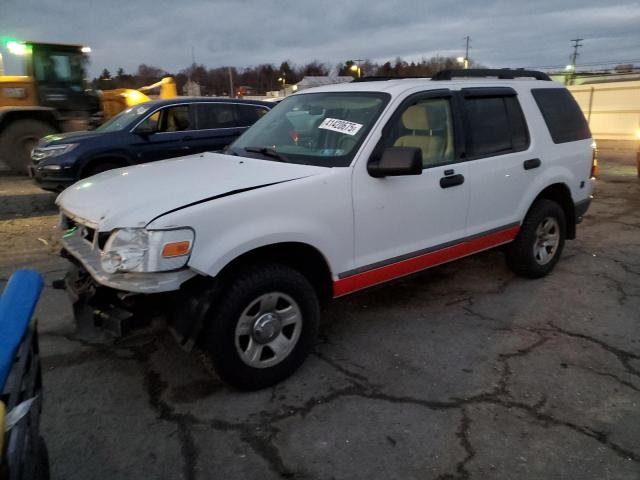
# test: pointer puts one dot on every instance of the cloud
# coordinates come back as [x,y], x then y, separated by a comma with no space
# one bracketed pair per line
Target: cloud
[504,33]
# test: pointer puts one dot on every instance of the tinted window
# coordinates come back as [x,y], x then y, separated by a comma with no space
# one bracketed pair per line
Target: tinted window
[562,114]
[217,115]
[494,125]
[487,126]
[174,119]
[519,132]
[249,114]
[427,125]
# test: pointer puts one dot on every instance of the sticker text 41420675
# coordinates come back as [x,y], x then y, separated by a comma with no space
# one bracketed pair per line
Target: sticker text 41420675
[341,126]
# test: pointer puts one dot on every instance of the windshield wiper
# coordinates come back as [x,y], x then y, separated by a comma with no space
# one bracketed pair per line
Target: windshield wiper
[267,152]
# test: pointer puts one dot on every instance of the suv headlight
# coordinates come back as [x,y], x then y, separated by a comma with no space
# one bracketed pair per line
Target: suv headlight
[141,250]
[40,153]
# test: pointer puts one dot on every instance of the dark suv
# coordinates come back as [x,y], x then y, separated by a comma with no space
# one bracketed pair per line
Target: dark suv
[150,131]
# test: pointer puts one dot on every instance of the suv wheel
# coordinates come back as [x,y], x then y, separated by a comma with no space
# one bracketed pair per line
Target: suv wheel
[262,327]
[538,246]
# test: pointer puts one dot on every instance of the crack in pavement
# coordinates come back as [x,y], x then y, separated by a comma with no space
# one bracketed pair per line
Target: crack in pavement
[259,434]
[154,386]
[605,374]
[623,356]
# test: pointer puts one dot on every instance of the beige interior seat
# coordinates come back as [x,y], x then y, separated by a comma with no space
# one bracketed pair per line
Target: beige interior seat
[415,118]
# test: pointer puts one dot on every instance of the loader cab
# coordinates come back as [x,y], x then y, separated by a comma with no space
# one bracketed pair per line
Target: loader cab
[58,72]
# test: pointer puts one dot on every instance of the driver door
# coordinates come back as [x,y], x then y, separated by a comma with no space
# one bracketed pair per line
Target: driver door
[405,223]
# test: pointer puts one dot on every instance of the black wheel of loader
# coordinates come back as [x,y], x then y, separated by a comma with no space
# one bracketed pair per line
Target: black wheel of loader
[17,141]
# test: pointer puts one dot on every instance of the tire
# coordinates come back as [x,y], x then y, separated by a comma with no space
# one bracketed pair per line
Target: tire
[255,312]
[42,462]
[17,141]
[100,167]
[526,255]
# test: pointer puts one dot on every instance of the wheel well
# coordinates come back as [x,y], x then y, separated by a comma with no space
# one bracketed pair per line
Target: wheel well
[42,115]
[560,193]
[108,159]
[300,256]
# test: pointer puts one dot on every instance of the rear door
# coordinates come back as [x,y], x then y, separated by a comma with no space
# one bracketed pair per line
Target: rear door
[499,162]
[219,124]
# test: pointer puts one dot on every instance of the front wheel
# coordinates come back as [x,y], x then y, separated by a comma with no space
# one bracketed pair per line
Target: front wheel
[538,246]
[262,327]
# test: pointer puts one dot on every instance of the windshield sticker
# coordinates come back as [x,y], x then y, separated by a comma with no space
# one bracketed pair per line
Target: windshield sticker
[340,126]
[141,110]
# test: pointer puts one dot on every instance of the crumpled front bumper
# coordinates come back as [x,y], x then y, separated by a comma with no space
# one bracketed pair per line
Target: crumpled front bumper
[88,254]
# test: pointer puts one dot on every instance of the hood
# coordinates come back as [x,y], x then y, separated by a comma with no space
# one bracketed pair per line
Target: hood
[70,137]
[133,196]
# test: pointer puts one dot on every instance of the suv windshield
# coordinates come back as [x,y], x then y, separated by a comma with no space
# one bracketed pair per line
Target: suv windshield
[123,119]
[322,129]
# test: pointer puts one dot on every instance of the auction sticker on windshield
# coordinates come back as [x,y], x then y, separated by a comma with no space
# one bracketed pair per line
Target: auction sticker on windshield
[341,126]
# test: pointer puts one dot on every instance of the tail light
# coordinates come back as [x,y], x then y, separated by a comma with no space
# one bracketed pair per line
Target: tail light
[595,169]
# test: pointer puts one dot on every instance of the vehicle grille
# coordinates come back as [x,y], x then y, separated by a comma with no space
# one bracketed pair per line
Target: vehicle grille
[88,234]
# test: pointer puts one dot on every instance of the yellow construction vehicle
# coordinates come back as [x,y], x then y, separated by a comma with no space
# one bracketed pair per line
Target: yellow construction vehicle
[117,100]
[52,98]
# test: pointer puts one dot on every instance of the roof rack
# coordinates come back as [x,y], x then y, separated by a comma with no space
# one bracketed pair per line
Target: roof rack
[501,73]
[382,78]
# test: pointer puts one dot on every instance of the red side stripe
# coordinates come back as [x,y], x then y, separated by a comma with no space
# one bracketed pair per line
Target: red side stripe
[406,267]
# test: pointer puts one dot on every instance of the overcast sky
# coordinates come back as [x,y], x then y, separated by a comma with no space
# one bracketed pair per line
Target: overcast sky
[125,33]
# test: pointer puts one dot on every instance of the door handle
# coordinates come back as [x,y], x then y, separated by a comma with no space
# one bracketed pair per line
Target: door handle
[188,137]
[451,181]
[531,163]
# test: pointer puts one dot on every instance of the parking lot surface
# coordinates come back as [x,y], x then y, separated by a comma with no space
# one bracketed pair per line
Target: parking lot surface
[462,372]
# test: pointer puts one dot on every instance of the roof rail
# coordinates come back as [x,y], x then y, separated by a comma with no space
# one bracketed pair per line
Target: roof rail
[501,73]
[382,78]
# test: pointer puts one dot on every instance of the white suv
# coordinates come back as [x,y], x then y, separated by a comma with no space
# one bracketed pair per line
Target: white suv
[337,189]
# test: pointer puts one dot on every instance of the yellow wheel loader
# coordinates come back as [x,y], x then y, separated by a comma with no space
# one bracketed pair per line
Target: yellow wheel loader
[52,98]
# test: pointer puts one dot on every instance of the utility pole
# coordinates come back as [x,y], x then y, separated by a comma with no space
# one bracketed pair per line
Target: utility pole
[466,52]
[231,92]
[464,61]
[576,45]
[572,66]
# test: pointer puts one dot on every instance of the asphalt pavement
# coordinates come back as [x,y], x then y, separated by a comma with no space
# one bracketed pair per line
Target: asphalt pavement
[461,372]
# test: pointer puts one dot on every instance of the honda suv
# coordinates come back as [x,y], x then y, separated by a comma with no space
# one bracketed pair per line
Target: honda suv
[143,133]
[337,189]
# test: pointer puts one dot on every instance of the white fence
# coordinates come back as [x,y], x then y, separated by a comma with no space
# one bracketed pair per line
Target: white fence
[612,109]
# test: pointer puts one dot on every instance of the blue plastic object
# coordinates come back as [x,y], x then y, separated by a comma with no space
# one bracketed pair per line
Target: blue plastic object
[17,304]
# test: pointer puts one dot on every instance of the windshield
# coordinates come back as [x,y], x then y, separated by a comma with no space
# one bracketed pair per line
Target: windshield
[124,119]
[58,67]
[322,129]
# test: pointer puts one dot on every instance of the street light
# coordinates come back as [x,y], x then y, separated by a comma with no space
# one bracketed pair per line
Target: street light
[16,48]
[356,68]
[282,79]
[463,61]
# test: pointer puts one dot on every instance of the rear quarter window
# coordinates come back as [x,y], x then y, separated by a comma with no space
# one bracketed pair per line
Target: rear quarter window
[561,113]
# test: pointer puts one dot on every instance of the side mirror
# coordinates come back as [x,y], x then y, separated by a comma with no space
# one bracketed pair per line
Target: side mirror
[396,161]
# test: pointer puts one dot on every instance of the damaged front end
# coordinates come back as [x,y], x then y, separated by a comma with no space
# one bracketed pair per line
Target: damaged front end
[116,301]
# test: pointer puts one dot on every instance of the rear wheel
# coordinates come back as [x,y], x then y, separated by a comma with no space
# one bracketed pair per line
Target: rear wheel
[17,141]
[262,327]
[538,246]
